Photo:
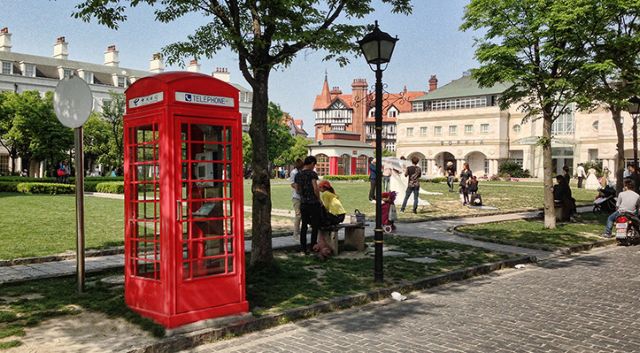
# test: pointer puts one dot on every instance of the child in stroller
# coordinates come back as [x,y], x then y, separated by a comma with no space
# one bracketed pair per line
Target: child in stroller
[389,214]
[605,201]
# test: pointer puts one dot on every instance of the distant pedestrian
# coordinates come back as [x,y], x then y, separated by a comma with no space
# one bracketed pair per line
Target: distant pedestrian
[465,177]
[372,180]
[450,171]
[413,173]
[295,199]
[310,207]
[581,175]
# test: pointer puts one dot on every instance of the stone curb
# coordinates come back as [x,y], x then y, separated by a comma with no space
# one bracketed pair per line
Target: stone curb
[251,324]
[554,251]
[61,257]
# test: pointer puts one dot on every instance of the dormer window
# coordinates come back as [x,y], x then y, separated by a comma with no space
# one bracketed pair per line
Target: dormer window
[88,77]
[392,112]
[122,81]
[67,73]
[29,70]
[7,68]
[372,113]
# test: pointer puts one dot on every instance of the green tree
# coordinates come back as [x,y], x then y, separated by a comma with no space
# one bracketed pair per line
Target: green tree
[31,130]
[112,112]
[265,35]
[531,44]
[299,150]
[247,151]
[279,139]
[612,46]
[98,142]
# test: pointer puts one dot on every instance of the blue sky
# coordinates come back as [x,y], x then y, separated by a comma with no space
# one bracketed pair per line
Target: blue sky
[430,43]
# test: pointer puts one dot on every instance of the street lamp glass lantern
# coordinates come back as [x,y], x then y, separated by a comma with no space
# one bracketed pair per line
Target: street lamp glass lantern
[634,105]
[377,46]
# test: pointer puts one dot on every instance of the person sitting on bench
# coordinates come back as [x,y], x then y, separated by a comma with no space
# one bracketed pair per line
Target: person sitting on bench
[333,211]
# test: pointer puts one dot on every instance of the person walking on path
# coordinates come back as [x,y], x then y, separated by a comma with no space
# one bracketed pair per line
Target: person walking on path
[450,171]
[413,185]
[465,177]
[581,175]
[628,201]
[295,199]
[372,180]
[310,207]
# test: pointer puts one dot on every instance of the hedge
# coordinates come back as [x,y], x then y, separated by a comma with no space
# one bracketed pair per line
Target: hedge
[358,177]
[8,186]
[114,187]
[45,188]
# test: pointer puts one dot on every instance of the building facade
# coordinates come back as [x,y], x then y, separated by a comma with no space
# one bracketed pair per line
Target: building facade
[341,153]
[337,111]
[461,122]
[24,72]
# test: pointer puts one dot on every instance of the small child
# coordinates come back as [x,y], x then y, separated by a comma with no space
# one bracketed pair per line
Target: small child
[475,198]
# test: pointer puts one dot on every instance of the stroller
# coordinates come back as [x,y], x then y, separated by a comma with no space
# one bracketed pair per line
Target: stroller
[389,214]
[605,202]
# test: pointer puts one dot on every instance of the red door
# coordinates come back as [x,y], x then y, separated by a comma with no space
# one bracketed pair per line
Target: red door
[206,225]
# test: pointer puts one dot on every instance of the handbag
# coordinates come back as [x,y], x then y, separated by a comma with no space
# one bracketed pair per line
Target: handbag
[60,172]
[360,217]
[393,214]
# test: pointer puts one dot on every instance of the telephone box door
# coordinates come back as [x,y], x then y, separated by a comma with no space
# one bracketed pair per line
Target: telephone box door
[206,213]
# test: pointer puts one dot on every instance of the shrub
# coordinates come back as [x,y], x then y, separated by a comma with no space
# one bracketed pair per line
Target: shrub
[436,180]
[46,188]
[513,169]
[358,177]
[495,178]
[8,186]
[111,187]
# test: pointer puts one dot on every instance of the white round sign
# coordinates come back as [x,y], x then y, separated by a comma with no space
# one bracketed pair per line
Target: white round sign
[72,101]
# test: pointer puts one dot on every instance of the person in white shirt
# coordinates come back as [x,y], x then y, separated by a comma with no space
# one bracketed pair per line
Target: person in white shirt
[295,199]
[628,202]
[581,175]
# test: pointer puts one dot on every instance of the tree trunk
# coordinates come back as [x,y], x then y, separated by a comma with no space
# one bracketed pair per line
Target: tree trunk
[549,209]
[619,168]
[261,251]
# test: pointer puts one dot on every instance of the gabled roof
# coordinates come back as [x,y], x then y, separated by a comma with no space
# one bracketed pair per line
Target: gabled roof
[465,86]
[402,102]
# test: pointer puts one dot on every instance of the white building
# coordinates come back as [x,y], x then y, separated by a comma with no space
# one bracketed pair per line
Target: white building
[24,72]
[461,122]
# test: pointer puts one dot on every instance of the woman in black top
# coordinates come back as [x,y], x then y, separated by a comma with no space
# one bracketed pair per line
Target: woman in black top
[465,176]
[306,182]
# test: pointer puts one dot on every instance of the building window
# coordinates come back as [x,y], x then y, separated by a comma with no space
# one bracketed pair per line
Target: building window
[372,113]
[88,77]
[468,129]
[484,128]
[29,70]
[409,132]
[67,73]
[322,168]
[424,164]
[459,103]
[453,130]
[486,167]
[7,68]
[517,156]
[417,107]
[362,165]
[423,131]
[517,128]
[564,125]
[392,113]
[4,164]
[390,147]
[245,119]
[122,81]
[437,131]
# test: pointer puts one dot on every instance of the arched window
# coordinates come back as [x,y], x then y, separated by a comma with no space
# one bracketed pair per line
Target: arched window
[344,165]
[322,168]
[361,165]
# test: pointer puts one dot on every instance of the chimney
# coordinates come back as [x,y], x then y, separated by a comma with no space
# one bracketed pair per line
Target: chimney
[360,107]
[155,64]
[60,49]
[336,90]
[193,66]
[111,56]
[433,83]
[222,74]
[5,40]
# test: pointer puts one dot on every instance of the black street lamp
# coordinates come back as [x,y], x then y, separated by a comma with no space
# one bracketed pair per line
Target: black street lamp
[377,48]
[634,109]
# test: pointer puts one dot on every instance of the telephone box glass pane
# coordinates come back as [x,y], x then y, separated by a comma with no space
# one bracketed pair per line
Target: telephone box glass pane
[143,218]
[206,198]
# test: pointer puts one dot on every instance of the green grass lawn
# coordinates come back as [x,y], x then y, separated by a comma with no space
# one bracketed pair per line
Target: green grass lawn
[295,281]
[38,225]
[506,196]
[532,232]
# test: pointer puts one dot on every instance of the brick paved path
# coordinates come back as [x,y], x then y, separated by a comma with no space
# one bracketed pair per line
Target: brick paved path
[586,303]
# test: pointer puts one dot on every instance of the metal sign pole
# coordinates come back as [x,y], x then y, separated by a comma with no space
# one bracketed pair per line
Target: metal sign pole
[79,209]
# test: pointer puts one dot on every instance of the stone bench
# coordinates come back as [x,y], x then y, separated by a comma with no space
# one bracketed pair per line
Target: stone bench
[353,236]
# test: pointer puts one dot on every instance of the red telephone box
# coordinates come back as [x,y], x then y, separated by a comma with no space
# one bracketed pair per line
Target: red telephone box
[184,240]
